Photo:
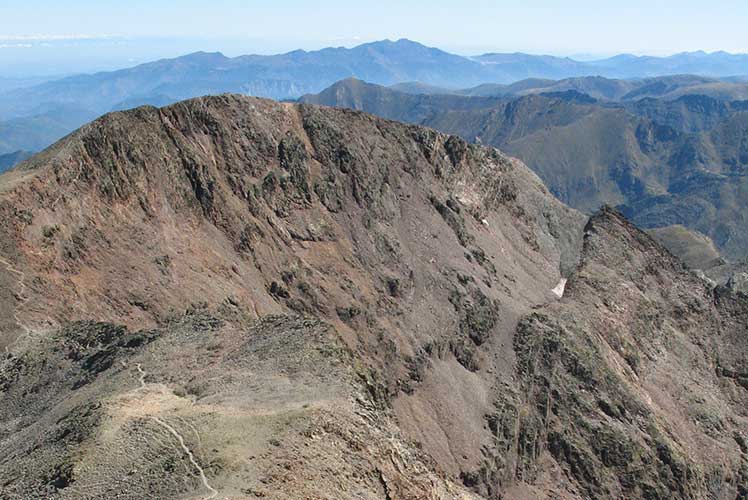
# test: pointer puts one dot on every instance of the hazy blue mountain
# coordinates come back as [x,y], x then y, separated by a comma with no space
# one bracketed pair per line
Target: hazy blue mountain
[30,117]
[39,130]
[281,76]
[668,87]
[12,83]
[157,100]
[10,160]
[718,64]
[295,73]
[518,66]
[595,86]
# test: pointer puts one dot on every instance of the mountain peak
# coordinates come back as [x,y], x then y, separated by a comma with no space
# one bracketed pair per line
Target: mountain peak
[206,56]
[399,41]
[263,242]
[371,298]
[399,44]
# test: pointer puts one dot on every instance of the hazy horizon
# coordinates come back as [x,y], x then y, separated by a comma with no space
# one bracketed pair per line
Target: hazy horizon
[86,36]
[92,54]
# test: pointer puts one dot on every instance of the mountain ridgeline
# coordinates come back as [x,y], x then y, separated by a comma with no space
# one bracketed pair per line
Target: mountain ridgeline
[47,111]
[663,161]
[386,62]
[231,297]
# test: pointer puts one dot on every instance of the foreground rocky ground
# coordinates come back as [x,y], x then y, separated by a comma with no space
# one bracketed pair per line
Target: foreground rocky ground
[235,298]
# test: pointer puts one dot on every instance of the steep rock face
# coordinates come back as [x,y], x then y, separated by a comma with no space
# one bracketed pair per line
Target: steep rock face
[662,163]
[224,177]
[236,298]
[416,251]
[634,384]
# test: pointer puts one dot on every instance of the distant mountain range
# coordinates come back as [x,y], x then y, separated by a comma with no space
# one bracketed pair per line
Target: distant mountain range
[11,83]
[661,161]
[9,160]
[38,130]
[667,87]
[30,117]
[295,73]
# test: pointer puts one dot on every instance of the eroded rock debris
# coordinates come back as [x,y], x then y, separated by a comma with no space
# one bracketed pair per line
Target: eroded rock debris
[235,298]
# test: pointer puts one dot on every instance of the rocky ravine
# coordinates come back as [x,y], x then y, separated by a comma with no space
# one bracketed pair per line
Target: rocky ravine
[235,298]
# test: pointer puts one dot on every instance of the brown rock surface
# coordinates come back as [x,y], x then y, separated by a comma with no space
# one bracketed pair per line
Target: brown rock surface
[317,303]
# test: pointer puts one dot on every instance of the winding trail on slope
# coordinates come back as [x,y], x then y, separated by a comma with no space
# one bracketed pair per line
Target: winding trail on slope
[185,448]
[20,294]
[201,472]
[141,377]
[22,299]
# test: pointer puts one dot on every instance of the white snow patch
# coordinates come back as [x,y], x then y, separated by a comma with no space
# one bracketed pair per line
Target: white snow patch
[559,290]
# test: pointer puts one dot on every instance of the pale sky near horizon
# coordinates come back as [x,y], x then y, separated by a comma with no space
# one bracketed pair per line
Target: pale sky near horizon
[104,32]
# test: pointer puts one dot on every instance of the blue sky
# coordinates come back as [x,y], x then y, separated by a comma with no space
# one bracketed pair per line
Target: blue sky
[73,35]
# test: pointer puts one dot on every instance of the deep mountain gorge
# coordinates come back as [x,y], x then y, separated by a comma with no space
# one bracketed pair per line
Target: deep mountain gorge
[230,297]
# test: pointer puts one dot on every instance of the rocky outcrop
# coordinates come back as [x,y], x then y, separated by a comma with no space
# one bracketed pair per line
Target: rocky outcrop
[231,297]
[417,251]
[663,162]
[622,386]
[117,418]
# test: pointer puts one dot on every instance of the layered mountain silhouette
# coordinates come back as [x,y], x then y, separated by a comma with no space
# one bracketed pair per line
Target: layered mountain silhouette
[668,161]
[11,159]
[288,76]
[41,128]
[668,87]
[233,297]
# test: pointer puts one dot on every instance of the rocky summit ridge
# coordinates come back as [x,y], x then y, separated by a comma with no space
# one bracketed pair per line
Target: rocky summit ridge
[234,298]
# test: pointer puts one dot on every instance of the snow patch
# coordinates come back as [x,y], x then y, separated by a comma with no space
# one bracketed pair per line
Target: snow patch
[559,290]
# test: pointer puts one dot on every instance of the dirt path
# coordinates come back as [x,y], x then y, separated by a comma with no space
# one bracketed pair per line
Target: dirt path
[141,377]
[201,472]
[185,448]
[22,299]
